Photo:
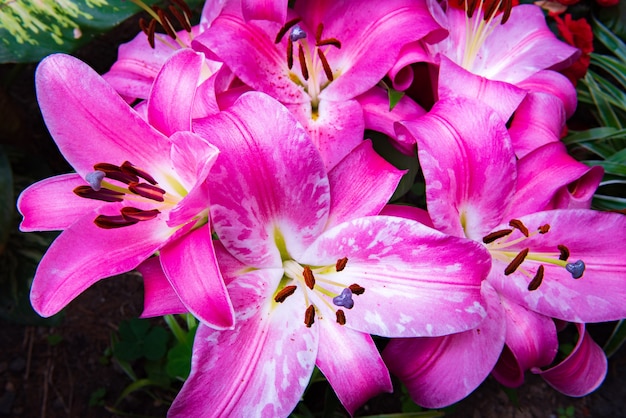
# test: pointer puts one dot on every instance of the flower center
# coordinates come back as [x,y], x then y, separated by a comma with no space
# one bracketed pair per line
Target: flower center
[499,245]
[319,289]
[478,28]
[315,71]
[163,19]
[130,184]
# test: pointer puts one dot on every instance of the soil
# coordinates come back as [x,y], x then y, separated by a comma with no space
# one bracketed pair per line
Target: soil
[66,370]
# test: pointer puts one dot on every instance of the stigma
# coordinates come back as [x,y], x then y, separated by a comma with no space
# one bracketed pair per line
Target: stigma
[500,245]
[321,292]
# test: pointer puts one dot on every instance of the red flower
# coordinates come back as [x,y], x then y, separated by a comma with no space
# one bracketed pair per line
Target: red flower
[607,3]
[577,33]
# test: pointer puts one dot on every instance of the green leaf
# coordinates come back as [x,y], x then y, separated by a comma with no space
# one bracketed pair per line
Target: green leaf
[606,113]
[155,343]
[616,340]
[593,134]
[394,97]
[612,66]
[179,361]
[30,30]
[608,38]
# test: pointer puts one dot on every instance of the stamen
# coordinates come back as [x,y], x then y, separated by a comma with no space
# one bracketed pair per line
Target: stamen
[324,61]
[151,32]
[183,6]
[341,317]
[517,261]
[564,252]
[284,293]
[138,215]
[536,281]
[471,7]
[576,269]
[330,41]
[289,53]
[490,9]
[517,224]
[111,222]
[489,238]
[105,195]
[285,28]
[309,316]
[297,33]
[341,264]
[95,179]
[507,7]
[356,289]
[115,173]
[309,279]
[344,299]
[318,33]
[128,168]
[303,68]
[165,22]
[544,228]
[184,22]
[148,191]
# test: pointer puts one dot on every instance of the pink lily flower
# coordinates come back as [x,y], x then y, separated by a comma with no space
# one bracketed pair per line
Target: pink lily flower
[496,58]
[318,62]
[563,263]
[136,190]
[141,59]
[311,271]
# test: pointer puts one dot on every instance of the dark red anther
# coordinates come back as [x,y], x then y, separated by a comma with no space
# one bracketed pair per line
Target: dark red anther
[491,7]
[184,22]
[128,168]
[151,32]
[148,191]
[330,41]
[309,316]
[564,252]
[165,22]
[489,238]
[112,222]
[143,26]
[185,8]
[471,7]
[289,53]
[544,228]
[517,224]
[341,264]
[341,317]
[115,173]
[303,67]
[356,289]
[138,215]
[324,61]
[309,279]
[536,281]
[284,293]
[507,6]
[517,261]
[290,24]
[318,33]
[105,195]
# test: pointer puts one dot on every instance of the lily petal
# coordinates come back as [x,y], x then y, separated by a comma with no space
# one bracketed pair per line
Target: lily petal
[408,271]
[553,83]
[274,10]
[463,157]
[530,342]
[443,370]
[171,97]
[582,371]
[564,183]
[46,205]
[351,182]
[268,357]
[352,365]
[269,178]
[191,268]
[159,296]
[336,129]
[75,101]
